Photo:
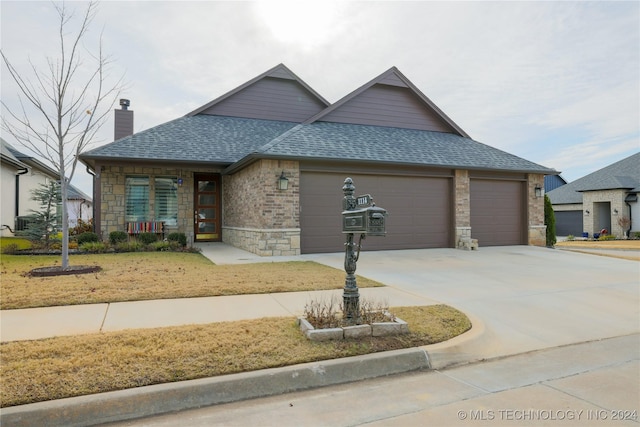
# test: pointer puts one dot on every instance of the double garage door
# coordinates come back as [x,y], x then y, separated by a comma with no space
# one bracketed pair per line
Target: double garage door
[420,211]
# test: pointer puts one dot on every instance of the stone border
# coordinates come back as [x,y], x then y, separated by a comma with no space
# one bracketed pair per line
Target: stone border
[378,329]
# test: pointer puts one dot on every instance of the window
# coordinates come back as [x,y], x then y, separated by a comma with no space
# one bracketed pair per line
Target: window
[166,200]
[137,198]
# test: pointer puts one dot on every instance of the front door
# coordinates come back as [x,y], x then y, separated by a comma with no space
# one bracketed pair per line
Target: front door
[207,208]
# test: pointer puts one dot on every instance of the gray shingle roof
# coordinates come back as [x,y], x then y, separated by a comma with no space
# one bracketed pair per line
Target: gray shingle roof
[226,140]
[395,145]
[202,139]
[624,174]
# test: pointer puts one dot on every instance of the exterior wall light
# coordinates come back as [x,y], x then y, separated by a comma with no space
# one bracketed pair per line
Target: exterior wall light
[538,191]
[283,182]
[587,212]
[615,211]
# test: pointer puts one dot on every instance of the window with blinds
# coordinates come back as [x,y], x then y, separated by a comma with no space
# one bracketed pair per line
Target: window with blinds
[137,198]
[166,200]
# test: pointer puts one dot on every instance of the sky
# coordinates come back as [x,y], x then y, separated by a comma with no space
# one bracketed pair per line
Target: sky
[554,82]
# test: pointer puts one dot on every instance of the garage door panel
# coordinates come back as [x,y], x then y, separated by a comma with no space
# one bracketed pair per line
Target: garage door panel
[419,211]
[569,222]
[497,212]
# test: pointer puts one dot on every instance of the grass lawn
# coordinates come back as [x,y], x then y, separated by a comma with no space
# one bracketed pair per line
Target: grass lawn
[137,276]
[620,245]
[33,371]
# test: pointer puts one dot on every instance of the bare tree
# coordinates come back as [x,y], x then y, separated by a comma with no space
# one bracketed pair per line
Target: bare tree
[63,105]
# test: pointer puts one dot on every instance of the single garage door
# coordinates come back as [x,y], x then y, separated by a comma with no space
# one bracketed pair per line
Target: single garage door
[497,212]
[420,211]
[568,222]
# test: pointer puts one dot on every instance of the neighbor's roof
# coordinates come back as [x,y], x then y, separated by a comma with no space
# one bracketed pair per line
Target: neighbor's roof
[624,174]
[7,155]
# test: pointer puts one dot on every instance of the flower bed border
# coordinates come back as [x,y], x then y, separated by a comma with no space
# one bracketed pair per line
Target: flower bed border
[378,329]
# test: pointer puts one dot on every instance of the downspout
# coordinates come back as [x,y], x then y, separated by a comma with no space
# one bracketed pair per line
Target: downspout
[630,198]
[20,172]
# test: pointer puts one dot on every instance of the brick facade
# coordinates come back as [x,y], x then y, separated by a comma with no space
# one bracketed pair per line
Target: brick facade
[257,216]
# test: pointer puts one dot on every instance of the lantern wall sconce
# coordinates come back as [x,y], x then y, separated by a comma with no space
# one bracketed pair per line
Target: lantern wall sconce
[587,212]
[538,192]
[615,211]
[283,182]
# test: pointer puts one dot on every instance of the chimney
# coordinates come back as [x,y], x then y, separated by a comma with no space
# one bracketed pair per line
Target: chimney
[123,124]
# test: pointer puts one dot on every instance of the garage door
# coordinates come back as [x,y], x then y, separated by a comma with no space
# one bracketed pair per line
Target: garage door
[568,222]
[497,212]
[419,211]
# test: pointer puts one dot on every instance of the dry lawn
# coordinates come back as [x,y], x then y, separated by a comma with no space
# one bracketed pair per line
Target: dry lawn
[33,371]
[619,245]
[156,275]
[602,244]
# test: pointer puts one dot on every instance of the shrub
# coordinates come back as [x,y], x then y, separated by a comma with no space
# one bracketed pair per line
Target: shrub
[116,237]
[571,237]
[549,221]
[160,246]
[178,237]
[81,227]
[94,247]
[133,246]
[324,313]
[147,238]
[607,237]
[10,249]
[636,234]
[87,237]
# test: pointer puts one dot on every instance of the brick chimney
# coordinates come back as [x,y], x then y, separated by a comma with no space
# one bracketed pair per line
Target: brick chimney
[123,124]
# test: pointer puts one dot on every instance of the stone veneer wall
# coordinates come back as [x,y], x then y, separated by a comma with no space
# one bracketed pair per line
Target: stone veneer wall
[258,217]
[462,196]
[535,207]
[112,210]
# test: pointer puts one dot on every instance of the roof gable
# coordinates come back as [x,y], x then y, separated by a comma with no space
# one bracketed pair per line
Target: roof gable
[389,100]
[277,94]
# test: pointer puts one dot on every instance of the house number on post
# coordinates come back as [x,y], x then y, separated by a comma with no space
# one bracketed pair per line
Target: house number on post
[359,215]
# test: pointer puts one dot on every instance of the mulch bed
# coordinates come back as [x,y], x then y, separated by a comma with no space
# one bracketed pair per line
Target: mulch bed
[59,271]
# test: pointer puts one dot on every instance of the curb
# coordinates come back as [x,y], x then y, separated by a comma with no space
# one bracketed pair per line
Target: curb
[171,397]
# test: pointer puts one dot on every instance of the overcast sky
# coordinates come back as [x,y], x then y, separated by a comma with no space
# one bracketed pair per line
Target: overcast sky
[557,83]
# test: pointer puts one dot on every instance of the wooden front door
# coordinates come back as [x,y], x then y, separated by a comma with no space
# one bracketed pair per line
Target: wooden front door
[207,208]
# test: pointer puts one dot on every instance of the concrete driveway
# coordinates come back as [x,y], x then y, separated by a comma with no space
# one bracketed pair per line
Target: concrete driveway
[522,298]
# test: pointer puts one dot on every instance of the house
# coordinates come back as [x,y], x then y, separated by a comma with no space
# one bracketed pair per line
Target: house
[214,174]
[599,200]
[21,174]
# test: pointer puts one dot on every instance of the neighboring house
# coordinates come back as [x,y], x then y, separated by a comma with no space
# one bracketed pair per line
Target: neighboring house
[597,201]
[10,171]
[21,174]
[79,206]
[213,174]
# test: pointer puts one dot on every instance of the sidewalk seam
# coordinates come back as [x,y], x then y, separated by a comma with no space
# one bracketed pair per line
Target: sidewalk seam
[104,319]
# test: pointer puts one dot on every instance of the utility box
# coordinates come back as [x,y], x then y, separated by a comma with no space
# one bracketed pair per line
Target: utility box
[369,220]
